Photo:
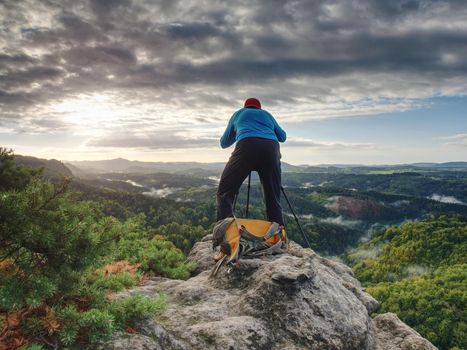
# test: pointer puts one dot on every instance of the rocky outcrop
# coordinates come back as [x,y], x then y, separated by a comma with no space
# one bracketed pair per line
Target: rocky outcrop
[296,300]
[393,334]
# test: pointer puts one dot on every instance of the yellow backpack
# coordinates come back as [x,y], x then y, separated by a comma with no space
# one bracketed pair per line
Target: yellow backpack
[240,238]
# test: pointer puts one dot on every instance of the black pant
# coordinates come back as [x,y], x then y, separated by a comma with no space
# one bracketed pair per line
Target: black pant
[252,154]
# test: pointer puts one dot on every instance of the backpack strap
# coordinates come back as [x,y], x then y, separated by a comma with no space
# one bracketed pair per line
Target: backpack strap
[274,249]
[253,245]
[274,229]
[219,231]
[239,226]
[217,266]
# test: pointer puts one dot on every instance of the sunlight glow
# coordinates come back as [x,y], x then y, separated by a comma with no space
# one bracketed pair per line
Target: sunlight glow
[91,111]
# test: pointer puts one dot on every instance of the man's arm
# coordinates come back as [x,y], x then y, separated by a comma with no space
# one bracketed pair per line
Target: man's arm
[228,138]
[280,133]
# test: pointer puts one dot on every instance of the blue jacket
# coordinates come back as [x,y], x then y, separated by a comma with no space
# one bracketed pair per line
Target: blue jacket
[252,122]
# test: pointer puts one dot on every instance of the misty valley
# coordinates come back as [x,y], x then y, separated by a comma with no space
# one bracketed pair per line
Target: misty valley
[338,206]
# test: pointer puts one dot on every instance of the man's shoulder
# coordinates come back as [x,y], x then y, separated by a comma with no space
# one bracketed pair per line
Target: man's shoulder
[265,113]
[239,111]
[252,111]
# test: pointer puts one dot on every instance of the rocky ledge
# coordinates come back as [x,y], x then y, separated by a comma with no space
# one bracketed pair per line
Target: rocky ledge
[296,300]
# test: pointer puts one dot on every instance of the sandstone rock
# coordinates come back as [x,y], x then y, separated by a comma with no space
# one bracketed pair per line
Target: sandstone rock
[296,300]
[393,334]
[133,341]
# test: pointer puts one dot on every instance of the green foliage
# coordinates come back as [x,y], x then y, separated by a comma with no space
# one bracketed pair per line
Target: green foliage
[331,239]
[91,325]
[52,169]
[113,281]
[69,318]
[135,306]
[158,211]
[450,183]
[437,241]
[157,255]
[47,239]
[434,304]
[183,236]
[32,347]
[97,324]
[11,175]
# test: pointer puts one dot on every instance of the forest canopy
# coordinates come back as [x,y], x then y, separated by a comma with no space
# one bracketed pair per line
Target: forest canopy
[418,270]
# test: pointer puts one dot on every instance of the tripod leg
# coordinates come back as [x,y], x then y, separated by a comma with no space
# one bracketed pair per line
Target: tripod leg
[248,196]
[234,203]
[296,219]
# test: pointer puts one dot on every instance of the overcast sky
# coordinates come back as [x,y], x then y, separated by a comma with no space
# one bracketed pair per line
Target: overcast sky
[350,81]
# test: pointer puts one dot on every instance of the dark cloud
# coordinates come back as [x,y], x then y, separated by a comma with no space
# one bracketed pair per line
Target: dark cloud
[192,31]
[10,99]
[215,54]
[49,125]
[104,7]
[99,56]
[15,60]
[396,8]
[23,78]
[68,30]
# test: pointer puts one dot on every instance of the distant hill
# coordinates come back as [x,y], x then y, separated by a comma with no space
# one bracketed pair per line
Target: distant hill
[52,168]
[459,165]
[446,165]
[121,165]
[75,170]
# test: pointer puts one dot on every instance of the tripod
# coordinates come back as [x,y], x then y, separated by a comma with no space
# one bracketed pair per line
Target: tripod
[287,200]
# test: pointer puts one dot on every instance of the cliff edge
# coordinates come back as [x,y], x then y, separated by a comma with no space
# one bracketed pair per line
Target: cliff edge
[297,300]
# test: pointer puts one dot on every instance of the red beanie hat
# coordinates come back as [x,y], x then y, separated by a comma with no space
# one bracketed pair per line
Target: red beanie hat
[252,102]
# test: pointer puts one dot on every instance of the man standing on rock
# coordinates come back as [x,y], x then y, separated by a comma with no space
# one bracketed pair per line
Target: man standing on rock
[257,135]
